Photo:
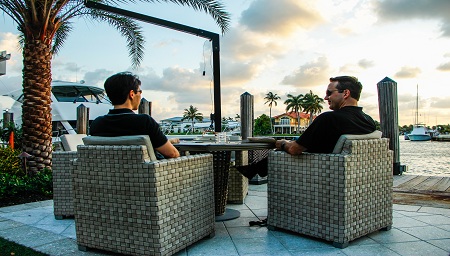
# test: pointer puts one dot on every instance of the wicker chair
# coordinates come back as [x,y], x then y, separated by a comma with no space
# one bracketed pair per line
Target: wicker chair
[336,197]
[127,202]
[62,177]
[237,183]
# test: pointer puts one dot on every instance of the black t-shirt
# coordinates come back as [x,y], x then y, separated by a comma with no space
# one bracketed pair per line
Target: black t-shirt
[122,122]
[323,133]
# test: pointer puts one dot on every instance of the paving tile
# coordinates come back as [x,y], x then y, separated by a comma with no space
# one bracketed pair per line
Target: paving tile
[407,222]
[9,224]
[213,246]
[413,214]
[62,248]
[268,245]
[407,208]
[247,213]
[238,207]
[261,213]
[416,248]
[319,252]
[30,236]
[444,227]
[256,202]
[444,244]
[443,211]
[434,219]
[369,250]
[427,233]
[295,242]
[248,232]
[392,236]
[240,222]
[70,232]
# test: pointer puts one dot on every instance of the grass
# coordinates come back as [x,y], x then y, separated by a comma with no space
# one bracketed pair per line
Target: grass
[10,248]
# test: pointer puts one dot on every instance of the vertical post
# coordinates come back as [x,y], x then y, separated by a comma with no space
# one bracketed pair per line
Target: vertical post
[216,74]
[388,109]
[246,115]
[82,119]
[8,118]
[145,107]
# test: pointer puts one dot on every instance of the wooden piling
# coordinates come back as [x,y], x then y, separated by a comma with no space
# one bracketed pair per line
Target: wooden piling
[247,115]
[82,119]
[145,107]
[388,109]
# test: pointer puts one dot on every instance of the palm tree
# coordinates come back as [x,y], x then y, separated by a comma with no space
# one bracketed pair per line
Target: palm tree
[192,114]
[44,26]
[312,104]
[294,103]
[271,99]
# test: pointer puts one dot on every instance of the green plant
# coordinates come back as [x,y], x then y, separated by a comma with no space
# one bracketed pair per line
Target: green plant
[10,162]
[39,183]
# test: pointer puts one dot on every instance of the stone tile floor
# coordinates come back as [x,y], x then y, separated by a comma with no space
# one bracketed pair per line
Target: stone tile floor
[417,230]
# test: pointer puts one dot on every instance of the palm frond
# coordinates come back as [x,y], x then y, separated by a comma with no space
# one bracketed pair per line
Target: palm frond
[127,28]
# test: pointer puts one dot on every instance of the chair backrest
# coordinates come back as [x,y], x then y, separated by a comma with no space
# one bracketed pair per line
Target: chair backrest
[341,142]
[71,141]
[143,140]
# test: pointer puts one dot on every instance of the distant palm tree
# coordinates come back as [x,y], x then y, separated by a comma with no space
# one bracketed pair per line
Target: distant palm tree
[192,114]
[312,104]
[294,103]
[271,99]
[44,26]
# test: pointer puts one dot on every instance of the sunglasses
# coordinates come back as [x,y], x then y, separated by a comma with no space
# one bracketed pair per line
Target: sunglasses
[328,92]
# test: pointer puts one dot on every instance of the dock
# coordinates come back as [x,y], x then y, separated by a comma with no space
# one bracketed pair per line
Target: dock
[431,191]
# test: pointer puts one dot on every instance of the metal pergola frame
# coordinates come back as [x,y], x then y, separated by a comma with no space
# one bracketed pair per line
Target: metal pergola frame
[213,37]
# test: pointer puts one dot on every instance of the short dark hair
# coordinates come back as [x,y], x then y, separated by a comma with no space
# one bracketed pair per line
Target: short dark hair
[119,85]
[350,83]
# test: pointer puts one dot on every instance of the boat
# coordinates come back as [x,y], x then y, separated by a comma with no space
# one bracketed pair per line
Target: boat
[66,98]
[420,131]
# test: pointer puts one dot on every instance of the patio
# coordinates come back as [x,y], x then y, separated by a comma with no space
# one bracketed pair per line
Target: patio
[417,230]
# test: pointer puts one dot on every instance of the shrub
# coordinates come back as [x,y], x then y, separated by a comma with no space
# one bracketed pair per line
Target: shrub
[39,183]
[10,161]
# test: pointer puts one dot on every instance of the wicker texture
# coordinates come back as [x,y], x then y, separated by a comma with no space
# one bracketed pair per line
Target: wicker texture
[62,183]
[221,173]
[126,204]
[336,197]
[237,183]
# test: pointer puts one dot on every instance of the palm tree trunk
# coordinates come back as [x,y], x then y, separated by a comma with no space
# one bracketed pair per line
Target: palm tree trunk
[270,118]
[36,108]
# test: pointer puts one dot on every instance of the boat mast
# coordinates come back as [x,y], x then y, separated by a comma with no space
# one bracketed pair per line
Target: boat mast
[417,106]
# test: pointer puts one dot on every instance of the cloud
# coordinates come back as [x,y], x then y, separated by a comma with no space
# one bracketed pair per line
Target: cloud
[408,72]
[281,17]
[440,103]
[419,9]
[310,74]
[444,67]
[365,63]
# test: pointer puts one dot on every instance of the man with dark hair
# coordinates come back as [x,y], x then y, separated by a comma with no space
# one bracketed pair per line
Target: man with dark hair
[123,89]
[342,94]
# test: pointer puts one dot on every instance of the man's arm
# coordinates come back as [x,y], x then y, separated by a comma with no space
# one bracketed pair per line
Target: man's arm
[168,150]
[290,147]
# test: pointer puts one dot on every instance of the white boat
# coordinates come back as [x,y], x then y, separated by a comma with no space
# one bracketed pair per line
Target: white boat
[66,98]
[419,132]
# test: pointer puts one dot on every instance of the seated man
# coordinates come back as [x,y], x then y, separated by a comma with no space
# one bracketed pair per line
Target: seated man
[123,89]
[321,136]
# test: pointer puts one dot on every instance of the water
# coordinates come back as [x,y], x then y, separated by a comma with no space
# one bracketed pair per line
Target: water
[430,158]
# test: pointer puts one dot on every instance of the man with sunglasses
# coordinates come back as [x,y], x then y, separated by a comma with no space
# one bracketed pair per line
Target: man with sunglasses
[123,89]
[342,94]
[321,136]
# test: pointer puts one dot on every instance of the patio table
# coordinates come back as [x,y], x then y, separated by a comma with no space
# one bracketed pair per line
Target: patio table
[221,164]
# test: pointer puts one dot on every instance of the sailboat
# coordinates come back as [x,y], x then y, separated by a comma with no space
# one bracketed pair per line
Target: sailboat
[419,132]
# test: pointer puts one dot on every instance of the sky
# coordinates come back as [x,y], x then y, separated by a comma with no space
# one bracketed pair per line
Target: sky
[283,47]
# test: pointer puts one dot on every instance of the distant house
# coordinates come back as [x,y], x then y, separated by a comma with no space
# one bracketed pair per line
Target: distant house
[286,123]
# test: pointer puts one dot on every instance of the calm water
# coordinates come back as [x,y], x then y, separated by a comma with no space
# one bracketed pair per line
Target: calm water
[425,157]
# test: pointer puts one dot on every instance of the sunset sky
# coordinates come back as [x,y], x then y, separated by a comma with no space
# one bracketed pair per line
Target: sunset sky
[283,46]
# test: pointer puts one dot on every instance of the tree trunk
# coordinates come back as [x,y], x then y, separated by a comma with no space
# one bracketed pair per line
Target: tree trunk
[36,108]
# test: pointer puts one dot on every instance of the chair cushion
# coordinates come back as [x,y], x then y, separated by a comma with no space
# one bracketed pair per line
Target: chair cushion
[143,140]
[340,143]
[71,141]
